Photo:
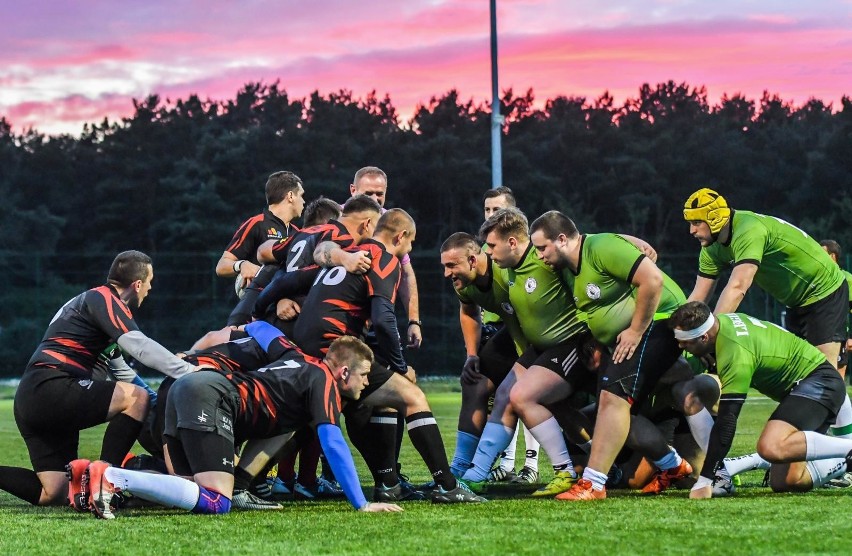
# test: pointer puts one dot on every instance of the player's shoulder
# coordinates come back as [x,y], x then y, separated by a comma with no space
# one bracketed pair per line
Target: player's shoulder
[382,261]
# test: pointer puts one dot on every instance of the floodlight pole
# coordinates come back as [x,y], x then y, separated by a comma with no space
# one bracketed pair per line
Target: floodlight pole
[496,117]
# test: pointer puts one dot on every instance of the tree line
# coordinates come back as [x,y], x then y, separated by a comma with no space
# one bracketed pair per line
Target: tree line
[179,176]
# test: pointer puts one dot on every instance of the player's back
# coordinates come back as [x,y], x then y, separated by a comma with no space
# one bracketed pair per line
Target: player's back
[339,302]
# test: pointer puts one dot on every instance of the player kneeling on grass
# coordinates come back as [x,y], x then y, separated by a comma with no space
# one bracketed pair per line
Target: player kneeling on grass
[209,411]
[751,353]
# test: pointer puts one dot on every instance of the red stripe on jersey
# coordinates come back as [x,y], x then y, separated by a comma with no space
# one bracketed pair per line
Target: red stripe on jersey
[73,344]
[111,302]
[329,384]
[62,358]
[208,361]
[264,397]
[341,326]
[243,231]
[376,259]
[349,307]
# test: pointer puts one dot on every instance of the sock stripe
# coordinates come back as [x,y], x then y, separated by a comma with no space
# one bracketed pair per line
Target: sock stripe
[422,422]
[383,420]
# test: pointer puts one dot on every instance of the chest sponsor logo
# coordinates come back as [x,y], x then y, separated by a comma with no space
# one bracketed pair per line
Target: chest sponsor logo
[507,308]
[593,291]
[530,285]
[272,233]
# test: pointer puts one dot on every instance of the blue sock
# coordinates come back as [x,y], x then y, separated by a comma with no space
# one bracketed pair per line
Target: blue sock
[211,502]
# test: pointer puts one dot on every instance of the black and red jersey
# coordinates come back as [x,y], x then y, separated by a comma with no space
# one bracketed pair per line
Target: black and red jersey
[297,251]
[82,329]
[237,356]
[284,395]
[339,302]
[256,230]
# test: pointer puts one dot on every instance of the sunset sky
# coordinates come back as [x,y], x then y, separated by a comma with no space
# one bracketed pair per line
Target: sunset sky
[63,63]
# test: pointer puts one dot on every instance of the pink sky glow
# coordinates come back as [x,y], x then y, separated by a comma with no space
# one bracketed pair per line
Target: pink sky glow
[66,63]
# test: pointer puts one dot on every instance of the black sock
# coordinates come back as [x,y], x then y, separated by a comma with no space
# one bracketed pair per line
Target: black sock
[242,479]
[400,432]
[119,437]
[426,437]
[22,483]
[375,441]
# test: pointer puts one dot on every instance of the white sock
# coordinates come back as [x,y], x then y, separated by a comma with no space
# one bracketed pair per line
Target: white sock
[597,478]
[532,447]
[824,470]
[700,425]
[167,490]
[549,435]
[749,462]
[507,462]
[820,446]
[842,427]
[495,438]
[465,448]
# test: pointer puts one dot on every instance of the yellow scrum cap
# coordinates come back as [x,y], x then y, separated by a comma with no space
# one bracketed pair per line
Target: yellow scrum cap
[708,206]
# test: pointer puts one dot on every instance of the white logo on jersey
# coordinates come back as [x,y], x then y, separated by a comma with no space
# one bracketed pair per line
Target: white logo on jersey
[226,461]
[530,285]
[203,417]
[507,308]
[555,360]
[593,291]
[85,383]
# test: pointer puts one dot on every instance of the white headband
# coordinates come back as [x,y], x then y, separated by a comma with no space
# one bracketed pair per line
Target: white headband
[695,332]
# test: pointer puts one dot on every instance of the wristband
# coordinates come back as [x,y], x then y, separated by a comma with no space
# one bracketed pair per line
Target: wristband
[238,265]
[417,322]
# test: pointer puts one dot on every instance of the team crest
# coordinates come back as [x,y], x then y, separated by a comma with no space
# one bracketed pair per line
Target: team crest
[507,308]
[530,285]
[593,291]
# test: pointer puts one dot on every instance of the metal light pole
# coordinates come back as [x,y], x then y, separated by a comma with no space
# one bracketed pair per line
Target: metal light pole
[496,117]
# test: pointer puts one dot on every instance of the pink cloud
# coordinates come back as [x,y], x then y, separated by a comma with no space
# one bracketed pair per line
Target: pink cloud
[795,60]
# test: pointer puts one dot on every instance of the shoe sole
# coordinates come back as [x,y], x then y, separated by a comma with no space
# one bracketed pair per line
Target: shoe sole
[80,501]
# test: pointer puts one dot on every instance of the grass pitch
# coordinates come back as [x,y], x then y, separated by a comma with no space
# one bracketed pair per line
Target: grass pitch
[755,521]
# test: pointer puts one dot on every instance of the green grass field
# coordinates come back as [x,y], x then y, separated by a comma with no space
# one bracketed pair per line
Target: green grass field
[753,522]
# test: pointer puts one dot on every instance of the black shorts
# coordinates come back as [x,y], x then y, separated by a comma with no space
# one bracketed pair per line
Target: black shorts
[51,408]
[635,378]
[194,452]
[497,356]
[823,322]
[814,401]
[379,374]
[566,360]
[202,401]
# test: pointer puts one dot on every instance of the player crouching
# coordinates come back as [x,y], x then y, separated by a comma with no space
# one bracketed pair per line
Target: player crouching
[208,410]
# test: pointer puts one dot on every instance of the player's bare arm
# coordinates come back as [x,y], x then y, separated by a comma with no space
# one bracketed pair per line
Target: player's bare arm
[649,283]
[738,284]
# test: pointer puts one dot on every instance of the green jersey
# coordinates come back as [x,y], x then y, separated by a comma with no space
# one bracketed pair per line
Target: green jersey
[848,277]
[495,298]
[541,302]
[792,267]
[602,287]
[759,354]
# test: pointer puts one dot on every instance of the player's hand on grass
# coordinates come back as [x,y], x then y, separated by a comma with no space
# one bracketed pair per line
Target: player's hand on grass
[357,262]
[703,488]
[380,507]
[626,345]
[287,309]
[470,371]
